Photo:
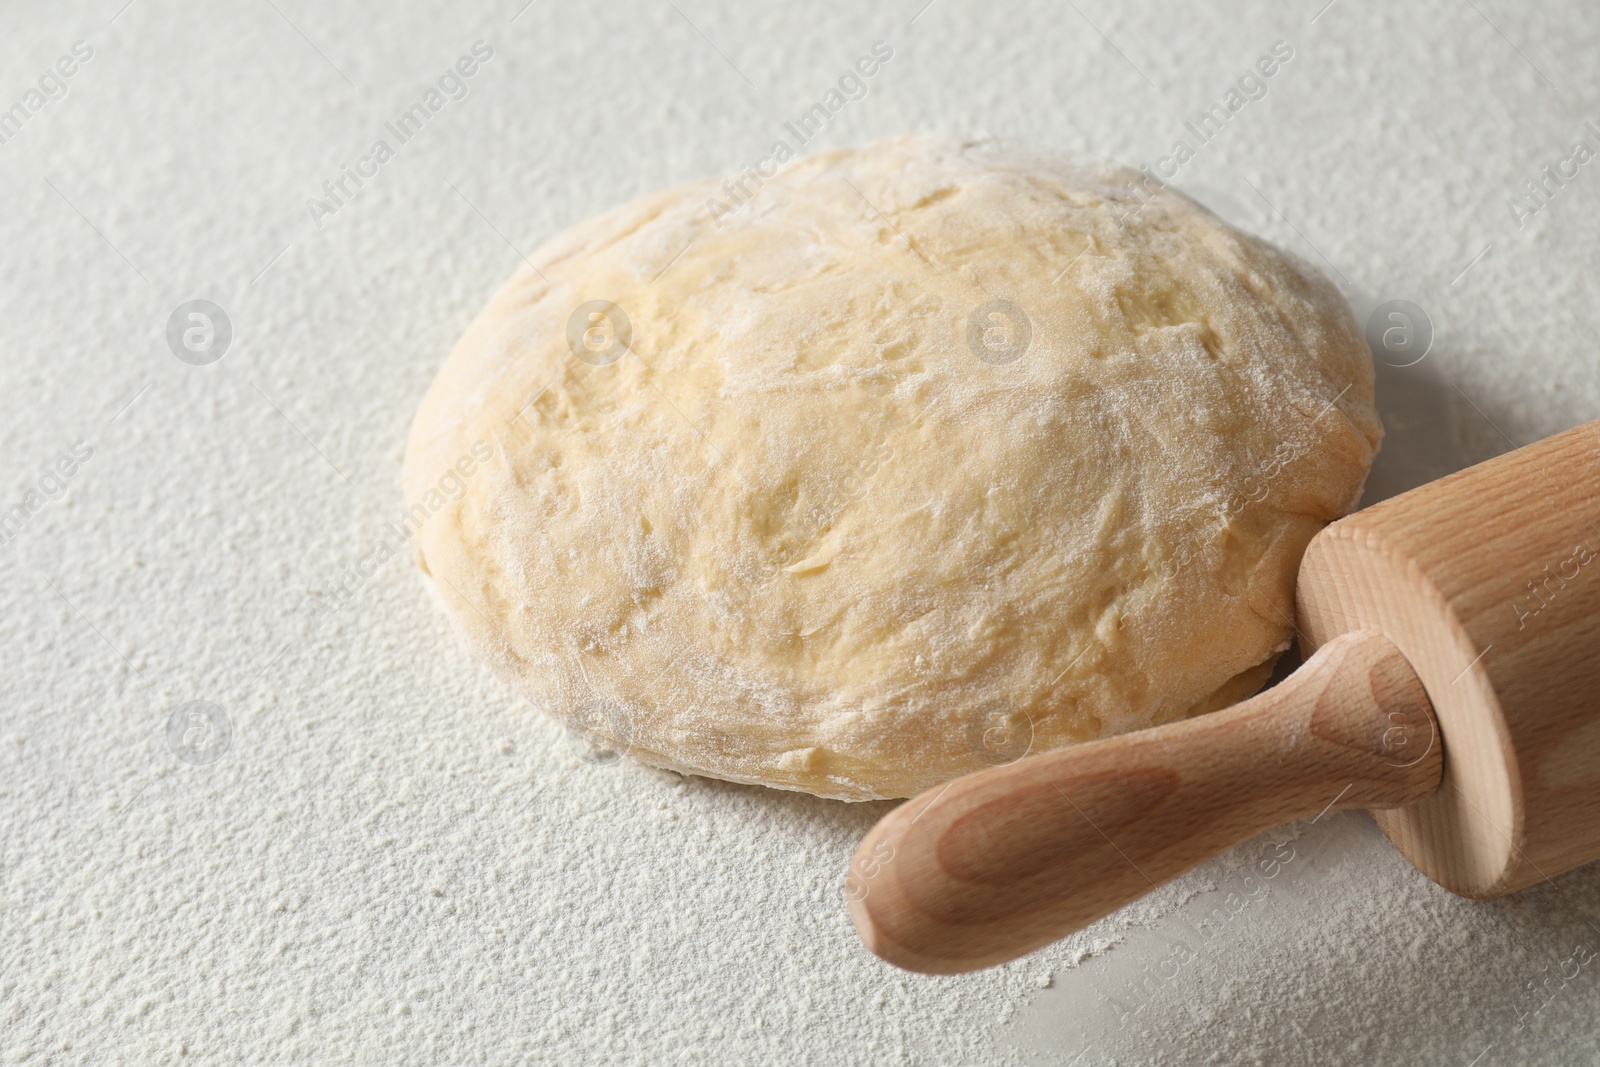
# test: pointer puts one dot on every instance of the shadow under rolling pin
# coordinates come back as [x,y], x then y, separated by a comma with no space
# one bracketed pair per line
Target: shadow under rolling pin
[1455,690]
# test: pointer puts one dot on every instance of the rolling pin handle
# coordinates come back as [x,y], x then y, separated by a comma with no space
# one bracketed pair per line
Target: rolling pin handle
[1004,861]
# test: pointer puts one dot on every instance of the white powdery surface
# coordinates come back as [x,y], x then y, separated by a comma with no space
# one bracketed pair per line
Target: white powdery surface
[399,862]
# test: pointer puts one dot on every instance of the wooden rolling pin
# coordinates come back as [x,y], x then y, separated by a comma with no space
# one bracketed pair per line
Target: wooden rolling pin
[1455,689]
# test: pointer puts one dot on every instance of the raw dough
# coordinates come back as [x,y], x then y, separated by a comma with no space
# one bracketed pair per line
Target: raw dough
[820,509]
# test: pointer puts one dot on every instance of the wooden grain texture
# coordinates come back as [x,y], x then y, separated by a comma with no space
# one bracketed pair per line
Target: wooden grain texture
[1004,861]
[1489,582]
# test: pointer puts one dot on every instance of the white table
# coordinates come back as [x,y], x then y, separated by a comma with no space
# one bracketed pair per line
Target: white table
[397,860]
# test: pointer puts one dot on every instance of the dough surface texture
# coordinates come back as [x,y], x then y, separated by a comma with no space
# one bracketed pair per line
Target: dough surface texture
[821,510]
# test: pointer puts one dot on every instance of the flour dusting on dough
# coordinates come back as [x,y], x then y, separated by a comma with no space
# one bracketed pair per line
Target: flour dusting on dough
[799,534]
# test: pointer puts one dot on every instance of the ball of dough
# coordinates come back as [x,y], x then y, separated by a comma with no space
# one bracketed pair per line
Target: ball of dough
[910,460]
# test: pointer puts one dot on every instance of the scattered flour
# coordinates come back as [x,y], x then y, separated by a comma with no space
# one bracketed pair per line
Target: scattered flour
[395,861]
